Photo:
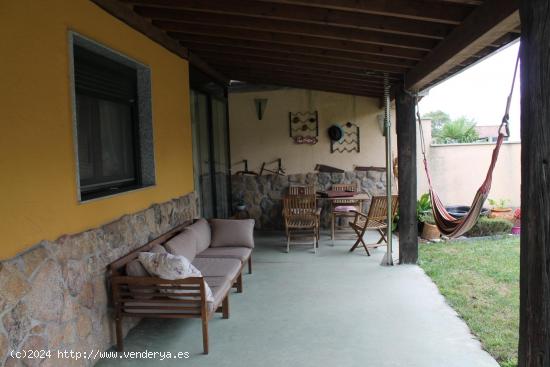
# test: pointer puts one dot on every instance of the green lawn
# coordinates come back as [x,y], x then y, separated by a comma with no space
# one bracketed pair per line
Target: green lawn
[480,280]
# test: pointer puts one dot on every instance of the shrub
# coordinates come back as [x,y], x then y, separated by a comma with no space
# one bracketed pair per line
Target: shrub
[490,227]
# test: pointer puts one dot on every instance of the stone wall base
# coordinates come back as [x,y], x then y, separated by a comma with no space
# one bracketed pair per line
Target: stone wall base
[55,295]
[263,194]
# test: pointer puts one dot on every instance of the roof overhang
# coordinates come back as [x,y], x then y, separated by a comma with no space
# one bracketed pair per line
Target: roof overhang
[344,46]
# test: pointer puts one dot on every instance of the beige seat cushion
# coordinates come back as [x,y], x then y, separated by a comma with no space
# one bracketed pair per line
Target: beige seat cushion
[184,244]
[201,230]
[232,233]
[240,253]
[135,269]
[218,267]
[220,287]
[158,249]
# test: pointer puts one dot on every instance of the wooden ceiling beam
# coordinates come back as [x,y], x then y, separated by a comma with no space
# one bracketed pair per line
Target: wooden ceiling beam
[301,84]
[489,22]
[128,16]
[294,50]
[407,9]
[308,63]
[293,68]
[181,29]
[165,19]
[333,63]
[297,69]
[306,14]
[125,13]
[271,75]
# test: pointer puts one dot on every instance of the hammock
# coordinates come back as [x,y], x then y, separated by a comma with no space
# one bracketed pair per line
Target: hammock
[447,223]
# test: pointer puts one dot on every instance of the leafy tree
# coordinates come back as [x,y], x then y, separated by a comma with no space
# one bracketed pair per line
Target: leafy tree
[439,118]
[461,130]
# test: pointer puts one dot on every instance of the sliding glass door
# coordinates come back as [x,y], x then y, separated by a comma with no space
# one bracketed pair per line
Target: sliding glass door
[210,146]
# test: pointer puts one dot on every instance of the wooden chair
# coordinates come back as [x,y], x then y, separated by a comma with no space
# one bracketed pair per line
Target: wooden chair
[345,208]
[301,218]
[301,190]
[376,220]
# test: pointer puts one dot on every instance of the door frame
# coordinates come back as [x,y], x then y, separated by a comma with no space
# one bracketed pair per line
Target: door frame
[210,95]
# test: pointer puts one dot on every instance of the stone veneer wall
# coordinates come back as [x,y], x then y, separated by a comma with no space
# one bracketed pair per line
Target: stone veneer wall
[263,194]
[55,295]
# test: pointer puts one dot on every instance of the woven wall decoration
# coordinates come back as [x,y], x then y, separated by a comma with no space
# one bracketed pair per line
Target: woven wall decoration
[303,127]
[350,141]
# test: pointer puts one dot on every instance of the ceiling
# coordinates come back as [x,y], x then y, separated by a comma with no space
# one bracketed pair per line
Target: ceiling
[344,46]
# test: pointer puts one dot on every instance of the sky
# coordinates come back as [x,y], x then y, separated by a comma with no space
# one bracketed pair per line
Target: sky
[480,92]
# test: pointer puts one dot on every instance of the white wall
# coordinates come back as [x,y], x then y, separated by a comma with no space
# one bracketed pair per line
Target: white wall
[459,169]
[268,139]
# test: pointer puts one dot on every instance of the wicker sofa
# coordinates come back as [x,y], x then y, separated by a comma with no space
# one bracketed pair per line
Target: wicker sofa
[219,249]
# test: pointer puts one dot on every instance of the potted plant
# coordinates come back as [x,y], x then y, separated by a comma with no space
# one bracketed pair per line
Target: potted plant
[516,229]
[429,229]
[500,209]
[423,207]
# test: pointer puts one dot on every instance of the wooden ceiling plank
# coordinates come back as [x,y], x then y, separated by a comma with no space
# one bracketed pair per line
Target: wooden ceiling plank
[407,9]
[306,14]
[127,15]
[338,64]
[304,84]
[281,75]
[293,69]
[295,50]
[312,63]
[301,83]
[167,19]
[489,22]
[297,41]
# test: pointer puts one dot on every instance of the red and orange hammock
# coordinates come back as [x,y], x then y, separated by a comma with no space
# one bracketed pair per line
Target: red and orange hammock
[446,223]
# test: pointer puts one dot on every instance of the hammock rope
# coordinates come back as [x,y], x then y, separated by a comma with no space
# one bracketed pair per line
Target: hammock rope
[447,223]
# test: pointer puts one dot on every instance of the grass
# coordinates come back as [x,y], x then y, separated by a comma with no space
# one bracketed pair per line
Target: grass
[480,280]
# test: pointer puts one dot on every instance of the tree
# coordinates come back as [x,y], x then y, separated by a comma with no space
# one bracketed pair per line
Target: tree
[461,130]
[439,118]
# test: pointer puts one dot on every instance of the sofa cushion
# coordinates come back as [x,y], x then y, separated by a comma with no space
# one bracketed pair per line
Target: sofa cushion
[157,249]
[171,267]
[201,229]
[135,269]
[240,253]
[218,267]
[219,291]
[232,233]
[184,244]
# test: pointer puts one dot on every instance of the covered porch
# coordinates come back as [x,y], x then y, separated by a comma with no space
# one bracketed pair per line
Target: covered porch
[335,308]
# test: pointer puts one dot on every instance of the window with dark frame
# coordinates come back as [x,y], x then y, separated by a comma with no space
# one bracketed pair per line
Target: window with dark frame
[107,125]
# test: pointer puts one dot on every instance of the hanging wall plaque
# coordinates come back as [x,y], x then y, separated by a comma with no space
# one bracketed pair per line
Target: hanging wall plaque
[349,142]
[303,127]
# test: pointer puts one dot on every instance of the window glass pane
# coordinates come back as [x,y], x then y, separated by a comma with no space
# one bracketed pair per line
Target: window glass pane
[117,160]
[221,161]
[201,142]
[84,108]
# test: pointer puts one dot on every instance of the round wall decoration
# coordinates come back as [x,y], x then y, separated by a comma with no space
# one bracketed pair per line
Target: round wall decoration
[335,133]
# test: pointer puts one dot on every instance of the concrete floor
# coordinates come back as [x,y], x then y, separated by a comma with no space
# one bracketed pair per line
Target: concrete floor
[331,309]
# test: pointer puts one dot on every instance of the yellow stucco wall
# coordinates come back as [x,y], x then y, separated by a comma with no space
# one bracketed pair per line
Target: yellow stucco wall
[38,189]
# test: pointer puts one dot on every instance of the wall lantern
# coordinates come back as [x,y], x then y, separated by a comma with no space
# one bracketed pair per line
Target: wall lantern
[381,123]
[260,104]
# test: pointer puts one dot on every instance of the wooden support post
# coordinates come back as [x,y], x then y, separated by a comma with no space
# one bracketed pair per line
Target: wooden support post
[406,153]
[534,330]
